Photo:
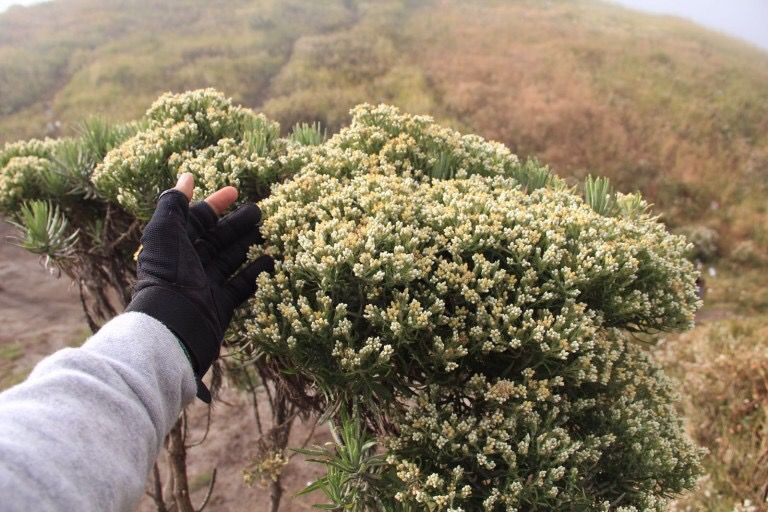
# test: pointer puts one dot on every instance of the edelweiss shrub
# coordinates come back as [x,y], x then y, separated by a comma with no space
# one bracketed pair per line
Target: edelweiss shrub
[521,444]
[23,169]
[480,321]
[447,271]
[199,132]
[472,311]
[489,307]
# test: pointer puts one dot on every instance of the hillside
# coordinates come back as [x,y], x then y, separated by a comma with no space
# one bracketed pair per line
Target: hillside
[656,103]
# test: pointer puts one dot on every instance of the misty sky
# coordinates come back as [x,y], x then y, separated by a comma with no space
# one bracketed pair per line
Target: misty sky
[747,19]
[4,4]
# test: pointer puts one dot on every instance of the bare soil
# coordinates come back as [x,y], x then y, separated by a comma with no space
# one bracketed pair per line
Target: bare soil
[41,314]
[38,312]
[230,447]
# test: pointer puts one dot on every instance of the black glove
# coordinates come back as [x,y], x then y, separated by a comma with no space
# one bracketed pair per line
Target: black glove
[183,276]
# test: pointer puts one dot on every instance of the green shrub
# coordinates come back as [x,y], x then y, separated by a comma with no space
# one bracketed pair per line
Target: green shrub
[747,252]
[704,242]
[462,317]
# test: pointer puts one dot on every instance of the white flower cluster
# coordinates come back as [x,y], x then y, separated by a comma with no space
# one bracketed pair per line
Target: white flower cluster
[523,446]
[229,162]
[199,131]
[135,173]
[236,163]
[32,147]
[18,179]
[381,140]
[22,167]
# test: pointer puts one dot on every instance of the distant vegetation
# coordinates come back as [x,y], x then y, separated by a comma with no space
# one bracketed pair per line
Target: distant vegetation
[656,104]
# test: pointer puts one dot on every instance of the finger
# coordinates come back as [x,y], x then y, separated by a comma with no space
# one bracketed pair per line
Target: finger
[229,229]
[222,199]
[202,218]
[186,184]
[231,258]
[243,285]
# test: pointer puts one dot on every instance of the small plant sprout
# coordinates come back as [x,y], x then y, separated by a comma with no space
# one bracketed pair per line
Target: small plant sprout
[308,134]
[599,195]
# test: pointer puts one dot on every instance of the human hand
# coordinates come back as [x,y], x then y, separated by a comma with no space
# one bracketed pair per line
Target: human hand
[186,266]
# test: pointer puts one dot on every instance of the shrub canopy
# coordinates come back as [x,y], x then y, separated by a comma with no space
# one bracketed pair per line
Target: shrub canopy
[473,311]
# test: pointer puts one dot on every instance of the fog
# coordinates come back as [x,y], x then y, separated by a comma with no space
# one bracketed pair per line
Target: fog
[745,19]
[5,4]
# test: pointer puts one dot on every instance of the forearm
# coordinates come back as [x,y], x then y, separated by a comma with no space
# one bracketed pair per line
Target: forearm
[82,432]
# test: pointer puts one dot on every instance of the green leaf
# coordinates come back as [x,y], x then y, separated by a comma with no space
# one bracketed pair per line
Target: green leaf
[308,134]
[45,230]
[599,196]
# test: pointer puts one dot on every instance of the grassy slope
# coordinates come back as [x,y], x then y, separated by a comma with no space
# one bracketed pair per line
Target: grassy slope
[285,57]
[655,103]
[114,58]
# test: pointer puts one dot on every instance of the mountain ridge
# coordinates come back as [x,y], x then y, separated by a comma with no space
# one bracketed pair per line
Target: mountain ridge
[655,102]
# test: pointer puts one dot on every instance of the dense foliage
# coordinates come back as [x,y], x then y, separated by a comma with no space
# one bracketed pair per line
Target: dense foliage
[479,322]
[469,314]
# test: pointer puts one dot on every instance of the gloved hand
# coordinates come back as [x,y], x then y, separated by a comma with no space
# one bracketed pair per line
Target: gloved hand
[185,266]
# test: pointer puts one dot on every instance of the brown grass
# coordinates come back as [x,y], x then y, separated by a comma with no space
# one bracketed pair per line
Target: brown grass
[723,371]
[653,103]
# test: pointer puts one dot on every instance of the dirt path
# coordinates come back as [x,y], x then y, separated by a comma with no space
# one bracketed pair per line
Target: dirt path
[38,313]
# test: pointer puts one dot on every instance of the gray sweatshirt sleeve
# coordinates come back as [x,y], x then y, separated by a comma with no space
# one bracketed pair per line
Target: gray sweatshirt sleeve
[82,432]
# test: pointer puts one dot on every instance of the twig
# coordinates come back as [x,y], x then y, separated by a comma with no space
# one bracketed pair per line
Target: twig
[178,458]
[157,496]
[207,429]
[125,235]
[92,325]
[209,492]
